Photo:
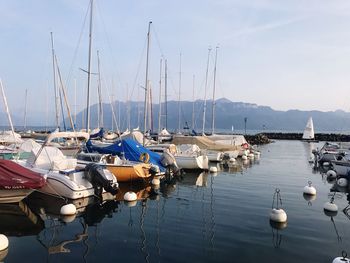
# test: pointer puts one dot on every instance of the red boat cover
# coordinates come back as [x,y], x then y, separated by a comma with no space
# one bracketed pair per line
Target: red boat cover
[15,176]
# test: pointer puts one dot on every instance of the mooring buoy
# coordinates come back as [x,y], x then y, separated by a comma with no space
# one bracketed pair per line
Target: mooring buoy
[309,189]
[68,209]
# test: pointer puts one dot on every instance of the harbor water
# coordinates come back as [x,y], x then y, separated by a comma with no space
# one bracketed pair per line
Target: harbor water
[202,217]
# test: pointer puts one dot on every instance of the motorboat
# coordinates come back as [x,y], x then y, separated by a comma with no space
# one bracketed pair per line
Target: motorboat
[17,182]
[124,170]
[65,178]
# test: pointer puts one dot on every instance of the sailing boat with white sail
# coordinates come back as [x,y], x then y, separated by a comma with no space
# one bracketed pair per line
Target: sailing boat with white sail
[309,133]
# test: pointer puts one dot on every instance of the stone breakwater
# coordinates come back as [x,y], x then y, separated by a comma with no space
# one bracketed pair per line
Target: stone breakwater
[264,138]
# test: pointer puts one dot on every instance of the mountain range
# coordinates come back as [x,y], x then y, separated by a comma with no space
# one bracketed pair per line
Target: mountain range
[228,114]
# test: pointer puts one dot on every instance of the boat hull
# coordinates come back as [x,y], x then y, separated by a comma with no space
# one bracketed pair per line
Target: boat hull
[126,173]
[192,162]
[14,196]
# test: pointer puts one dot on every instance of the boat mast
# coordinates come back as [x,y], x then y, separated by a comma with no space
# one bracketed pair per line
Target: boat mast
[100,109]
[214,87]
[75,102]
[7,111]
[89,71]
[166,93]
[25,110]
[146,85]
[205,92]
[179,103]
[54,82]
[160,98]
[193,102]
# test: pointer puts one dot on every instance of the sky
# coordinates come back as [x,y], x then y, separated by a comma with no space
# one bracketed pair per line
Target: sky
[290,54]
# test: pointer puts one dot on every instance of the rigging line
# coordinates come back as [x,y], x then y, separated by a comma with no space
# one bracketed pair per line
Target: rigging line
[78,45]
[107,38]
[158,42]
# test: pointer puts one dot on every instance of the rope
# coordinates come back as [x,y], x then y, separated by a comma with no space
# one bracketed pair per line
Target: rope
[277,197]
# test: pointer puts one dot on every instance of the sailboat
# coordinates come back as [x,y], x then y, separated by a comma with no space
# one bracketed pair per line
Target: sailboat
[309,133]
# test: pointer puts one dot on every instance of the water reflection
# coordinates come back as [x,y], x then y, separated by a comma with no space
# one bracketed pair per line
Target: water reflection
[276,235]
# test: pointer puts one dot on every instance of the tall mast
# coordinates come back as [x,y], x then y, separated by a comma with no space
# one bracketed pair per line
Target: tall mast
[25,110]
[8,111]
[89,70]
[100,109]
[75,102]
[146,84]
[160,98]
[213,107]
[166,93]
[193,102]
[205,92]
[54,82]
[179,103]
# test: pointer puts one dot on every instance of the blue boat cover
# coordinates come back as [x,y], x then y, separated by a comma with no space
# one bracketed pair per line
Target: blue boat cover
[128,148]
[97,135]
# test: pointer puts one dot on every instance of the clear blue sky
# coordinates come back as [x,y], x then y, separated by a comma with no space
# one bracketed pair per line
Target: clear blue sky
[284,54]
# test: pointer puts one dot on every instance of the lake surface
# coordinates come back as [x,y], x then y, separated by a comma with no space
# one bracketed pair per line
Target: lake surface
[201,218]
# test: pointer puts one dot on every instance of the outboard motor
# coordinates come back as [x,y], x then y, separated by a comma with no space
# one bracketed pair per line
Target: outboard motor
[95,175]
[169,161]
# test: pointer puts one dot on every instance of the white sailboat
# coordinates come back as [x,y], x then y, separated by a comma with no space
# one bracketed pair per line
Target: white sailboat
[309,133]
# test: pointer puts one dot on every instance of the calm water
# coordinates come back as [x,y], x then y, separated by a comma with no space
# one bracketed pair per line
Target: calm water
[203,218]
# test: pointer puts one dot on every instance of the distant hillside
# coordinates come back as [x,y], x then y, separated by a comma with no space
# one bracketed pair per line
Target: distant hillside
[228,114]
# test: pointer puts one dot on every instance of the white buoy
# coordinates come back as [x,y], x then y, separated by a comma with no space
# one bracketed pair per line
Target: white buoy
[130,196]
[342,259]
[330,206]
[309,198]
[213,169]
[156,181]
[232,160]
[68,209]
[325,163]
[309,189]
[342,182]
[251,156]
[331,174]
[4,242]
[278,215]
[244,157]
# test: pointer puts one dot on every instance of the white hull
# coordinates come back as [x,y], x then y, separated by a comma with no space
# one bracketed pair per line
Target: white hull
[192,162]
[214,156]
[69,184]
[14,195]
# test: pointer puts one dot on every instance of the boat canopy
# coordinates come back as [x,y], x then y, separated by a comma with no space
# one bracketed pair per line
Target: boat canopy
[15,176]
[55,135]
[128,148]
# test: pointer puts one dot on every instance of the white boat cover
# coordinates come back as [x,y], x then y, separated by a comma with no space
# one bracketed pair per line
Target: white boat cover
[51,158]
[28,145]
[8,137]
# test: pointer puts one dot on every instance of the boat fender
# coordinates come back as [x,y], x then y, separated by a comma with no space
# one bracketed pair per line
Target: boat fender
[213,169]
[309,189]
[4,242]
[244,157]
[342,182]
[342,259]
[144,157]
[68,209]
[331,174]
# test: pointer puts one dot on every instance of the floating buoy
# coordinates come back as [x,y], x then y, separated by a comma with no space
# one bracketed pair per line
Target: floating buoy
[232,160]
[156,181]
[130,196]
[277,214]
[342,259]
[4,242]
[309,189]
[325,163]
[244,157]
[331,174]
[330,206]
[342,182]
[68,209]
[213,169]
